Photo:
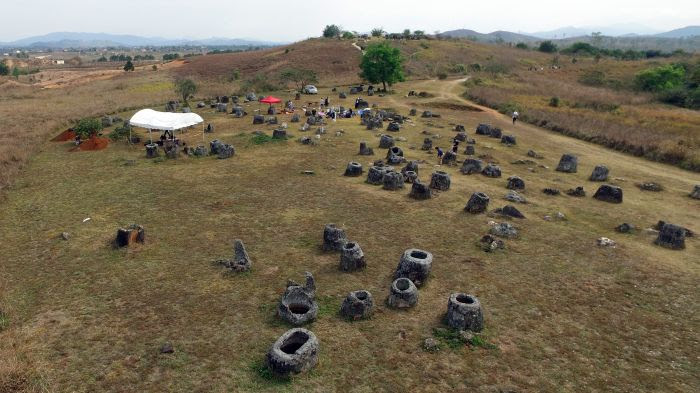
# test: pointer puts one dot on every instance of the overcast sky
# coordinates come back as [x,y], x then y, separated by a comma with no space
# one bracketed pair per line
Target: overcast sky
[296,19]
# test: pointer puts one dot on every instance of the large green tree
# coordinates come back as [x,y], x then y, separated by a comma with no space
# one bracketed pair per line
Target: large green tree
[382,63]
[129,66]
[185,88]
[299,76]
[332,31]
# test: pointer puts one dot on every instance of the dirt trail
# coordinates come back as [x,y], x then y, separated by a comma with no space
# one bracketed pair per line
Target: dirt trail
[451,90]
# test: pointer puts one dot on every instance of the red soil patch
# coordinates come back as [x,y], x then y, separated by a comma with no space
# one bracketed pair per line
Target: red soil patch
[67,135]
[93,143]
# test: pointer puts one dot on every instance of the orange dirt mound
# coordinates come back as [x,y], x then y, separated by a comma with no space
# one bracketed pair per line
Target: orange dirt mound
[93,143]
[67,135]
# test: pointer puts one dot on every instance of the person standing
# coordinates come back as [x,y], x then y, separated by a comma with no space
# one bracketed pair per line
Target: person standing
[515,116]
[440,153]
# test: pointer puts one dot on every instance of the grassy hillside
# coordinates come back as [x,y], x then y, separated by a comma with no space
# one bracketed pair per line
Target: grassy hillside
[561,314]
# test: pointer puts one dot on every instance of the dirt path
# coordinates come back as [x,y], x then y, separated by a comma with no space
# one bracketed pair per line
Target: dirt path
[452,90]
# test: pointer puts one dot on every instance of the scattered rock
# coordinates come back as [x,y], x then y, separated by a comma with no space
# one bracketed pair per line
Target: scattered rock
[65,235]
[357,305]
[608,193]
[576,192]
[471,165]
[431,345]
[514,196]
[334,238]
[508,140]
[551,191]
[625,228]
[492,170]
[296,351]
[605,242]
[167,348]
[403,294]
[392,180]
[504,229]
[297,305]
[464,312]
[415,265]
[420,191]
[515,183]
[449,158]
[650,186]
[351,257]
[491,244]
[226,151]
[696,192]
[509,211]
[353,169]
[459,128]
[568,163]
[600,173]
[671,236]
[469,150]
[365,150]
[478,203]
[241,261]
[533,154]
[130,235]
[386,141]
[440,180]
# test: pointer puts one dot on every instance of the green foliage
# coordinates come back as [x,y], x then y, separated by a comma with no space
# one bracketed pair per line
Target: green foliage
[382,63]
[348,35]
[474,67]
[4,69]
[87,127]
[332,31]
[129,66]
[496,68]
[258,83]
[547,47]
[299,76]
[234,75]
[119,133]
[260,369]
[16,72]
[554,102]
[522,45]
[4,321]
[442,75]
[378,32]
[102,59]
[185,88]
[154,67]
[660,78]
[120,57]
[171,56]
[593,78]
[449,337]
[459,69]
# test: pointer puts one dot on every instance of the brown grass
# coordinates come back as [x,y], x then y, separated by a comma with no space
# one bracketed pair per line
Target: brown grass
[563,314]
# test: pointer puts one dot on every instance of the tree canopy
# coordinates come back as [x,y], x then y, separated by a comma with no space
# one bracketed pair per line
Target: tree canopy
[299,76]
[382,63]
[4,69]
[87,127]
[547,47]
[129,66]
[185,88]
[332,31]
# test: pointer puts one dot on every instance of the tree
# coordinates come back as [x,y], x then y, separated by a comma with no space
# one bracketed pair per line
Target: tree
[597,37]
[299,76]
[185,88]
[348,35]
[129,66]
[382,63]
[4,69]
[332,31]
[521,45]
[16,72]
[419,34]
[87,127]
[378,32]
[407,34]
[661,78]
[547,47]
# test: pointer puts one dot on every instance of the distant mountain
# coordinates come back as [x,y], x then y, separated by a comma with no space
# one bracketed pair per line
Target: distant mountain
[495,36]
[618,30]
[88,40]
[683,32]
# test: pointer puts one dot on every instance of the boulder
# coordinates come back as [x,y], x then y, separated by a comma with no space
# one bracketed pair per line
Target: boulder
[392,181]
[464,312]
[221,107]
[279,133]
[469,150]
[394,150]
[152,150]
[568,163]
[696,192]
[459,128]
[515,183]
[471,165]
[461,136]
[410,176]
[296,351]
[200,151]
[576,192]
[209,128]
[533,154]
[600,173]
[509,211]
[608,193]
[394,159]
[483,129]
[386,141]
[295,118]
[671,236]
[357,305]
[508,140]
[449,158]
[415,265]
[172,150]
[107,121]
[351,257]
[440,180]
[186,110]
[625,228]
[353,169]
[427,114]
[297,305]
[420,191]
[238,112]
[393,126]
[342,95]
[215,146]
[129,236]
[504,229]
[201,105]
[513,196]
[333,238]
[258,119]
[375,174]
[305,127]
[427,144]
[496,133]
[491,170]
[241,261]
[491,244]
[478,203]
[403,294]
[271,120]
[412,112]
[411,166]
[650,186]
[365,150]
[226,151]
[251,97]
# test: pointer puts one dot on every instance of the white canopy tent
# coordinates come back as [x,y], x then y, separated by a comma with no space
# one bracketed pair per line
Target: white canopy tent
[164,121]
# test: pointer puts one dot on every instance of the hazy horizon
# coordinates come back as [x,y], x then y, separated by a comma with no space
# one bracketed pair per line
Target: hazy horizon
[285,21]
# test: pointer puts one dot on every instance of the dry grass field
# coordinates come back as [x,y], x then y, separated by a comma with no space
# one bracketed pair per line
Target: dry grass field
[561,314]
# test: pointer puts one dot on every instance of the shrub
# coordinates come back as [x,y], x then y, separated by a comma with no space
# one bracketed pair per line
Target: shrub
[554,102]
[185,88]
[593,78]
[331,31]
[378,32]
[474,67]
[547,47]
[661,78]
[4,69]
[459,69]
[87,127]
[348,35]
[171,56]
[442,75]
[129,66]
[522,45]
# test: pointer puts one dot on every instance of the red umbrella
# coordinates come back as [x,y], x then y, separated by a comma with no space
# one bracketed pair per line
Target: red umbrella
[271,100]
